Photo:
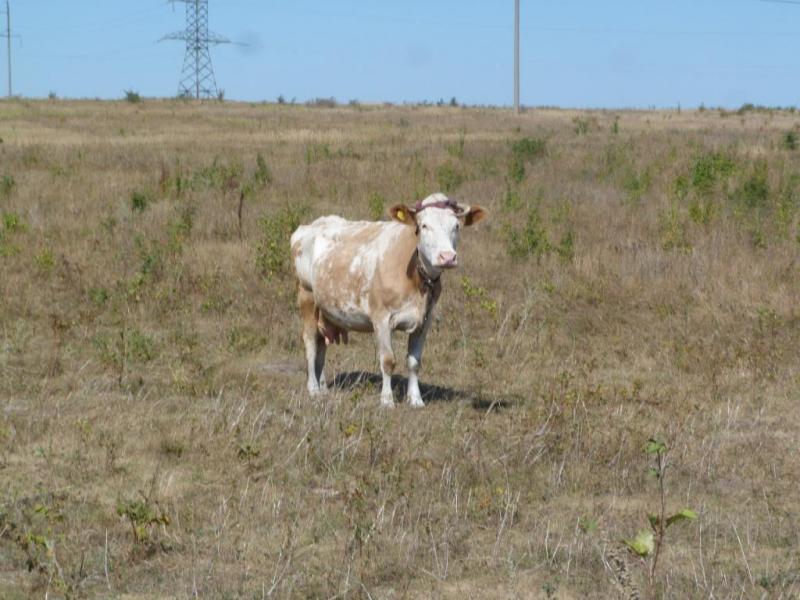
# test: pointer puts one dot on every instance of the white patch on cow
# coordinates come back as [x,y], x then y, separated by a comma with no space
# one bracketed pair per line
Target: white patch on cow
[438,235]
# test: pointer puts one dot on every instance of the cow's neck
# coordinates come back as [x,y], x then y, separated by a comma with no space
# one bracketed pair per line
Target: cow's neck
[422,281]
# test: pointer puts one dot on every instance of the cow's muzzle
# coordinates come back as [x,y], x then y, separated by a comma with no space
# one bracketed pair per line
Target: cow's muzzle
[448,260]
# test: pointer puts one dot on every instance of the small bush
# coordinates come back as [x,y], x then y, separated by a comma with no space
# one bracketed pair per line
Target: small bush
[132,97]
[636,185]
[377,206]
[512,201]
[524,150]
[13,223]
[581,125]
[754,191]
[7,184]
[262,176]
[140,346]
[789,141]
[45,261]
[273,252]
[531,240]
[323,102]
[673,229]
[281,99]
[139,202]
[448,178]
[709,168]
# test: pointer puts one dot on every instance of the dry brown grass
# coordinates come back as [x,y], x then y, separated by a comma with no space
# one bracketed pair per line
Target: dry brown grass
[145,358]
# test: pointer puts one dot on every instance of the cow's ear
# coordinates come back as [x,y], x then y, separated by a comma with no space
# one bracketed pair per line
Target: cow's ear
[402,214]
[473,214]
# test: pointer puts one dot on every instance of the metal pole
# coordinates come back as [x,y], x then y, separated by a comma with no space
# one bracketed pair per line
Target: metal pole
[197,48]
[8,46]
[516,57]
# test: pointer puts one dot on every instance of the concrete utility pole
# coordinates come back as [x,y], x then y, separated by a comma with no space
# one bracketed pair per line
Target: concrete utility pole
[516,57]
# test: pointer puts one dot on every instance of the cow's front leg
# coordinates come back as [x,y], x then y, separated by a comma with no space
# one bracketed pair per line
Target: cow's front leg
[416,341]
[383,337]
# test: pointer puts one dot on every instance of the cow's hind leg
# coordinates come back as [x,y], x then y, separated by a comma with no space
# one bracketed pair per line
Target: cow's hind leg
[383,337]
[313,341]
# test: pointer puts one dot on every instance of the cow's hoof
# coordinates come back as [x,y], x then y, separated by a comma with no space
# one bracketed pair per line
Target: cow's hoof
[387,401]
[416,403]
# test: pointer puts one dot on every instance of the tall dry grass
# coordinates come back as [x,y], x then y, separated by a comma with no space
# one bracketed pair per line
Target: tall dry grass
[632,280]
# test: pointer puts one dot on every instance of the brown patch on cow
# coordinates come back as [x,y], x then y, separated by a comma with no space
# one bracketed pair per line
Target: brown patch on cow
[476,214]
[403,214]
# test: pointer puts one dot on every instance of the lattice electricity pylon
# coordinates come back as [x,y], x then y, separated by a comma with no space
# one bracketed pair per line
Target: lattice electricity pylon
[197,77]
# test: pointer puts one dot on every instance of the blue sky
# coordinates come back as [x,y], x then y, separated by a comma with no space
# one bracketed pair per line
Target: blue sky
[574,53]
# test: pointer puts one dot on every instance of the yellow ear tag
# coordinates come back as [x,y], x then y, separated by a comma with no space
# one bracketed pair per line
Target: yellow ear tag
[401,215]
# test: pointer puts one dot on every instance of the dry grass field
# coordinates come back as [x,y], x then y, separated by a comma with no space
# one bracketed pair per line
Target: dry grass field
[637,277]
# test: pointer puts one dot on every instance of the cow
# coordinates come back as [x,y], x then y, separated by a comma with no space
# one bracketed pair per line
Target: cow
[376,277]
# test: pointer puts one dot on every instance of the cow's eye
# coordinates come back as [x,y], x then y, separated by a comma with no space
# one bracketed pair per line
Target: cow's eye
[424,226]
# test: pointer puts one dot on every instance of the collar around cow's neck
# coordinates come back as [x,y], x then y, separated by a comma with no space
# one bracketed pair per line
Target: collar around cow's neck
[428,282]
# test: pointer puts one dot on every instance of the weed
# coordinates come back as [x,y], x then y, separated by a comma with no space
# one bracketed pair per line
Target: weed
[132,97]
[448,178]
[7,184]
[457,149]
[272,251]
[581,125]
[789,141]
[45,261]
[139,201]
[702,211]
[524,150]
[140,346]
[709,168]
[141,516]
[647,544]
[754,191]
[636,185]
[565,247]
[13,223]
[512,201]
[531,240]
[377,206]
[262,176]
[673,228]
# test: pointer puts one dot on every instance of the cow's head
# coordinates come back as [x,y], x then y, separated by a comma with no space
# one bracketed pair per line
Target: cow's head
[437,220]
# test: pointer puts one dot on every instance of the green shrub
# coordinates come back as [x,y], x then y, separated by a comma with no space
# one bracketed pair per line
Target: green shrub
[272,251]
[132,97]
[754,191]
[7,184]
[262,176]
[140,346]
[565,248]
[377,206]
[220,176]
[448,178]
[529,149]
[524,150]
[531,240]
[709,168]
[512,201]
[581,125]
[673,229]
[139,201]
[13,223]
[789,141]
[636,185]
[786,209]
[45,261]
[702,211]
